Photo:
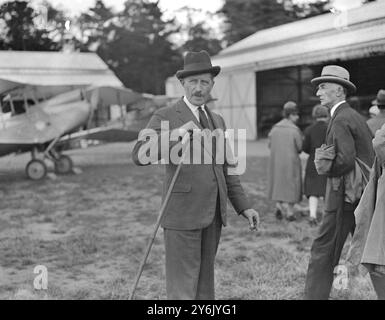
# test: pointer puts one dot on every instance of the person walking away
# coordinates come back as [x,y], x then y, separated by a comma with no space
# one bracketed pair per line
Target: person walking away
[314,137]
[285,173]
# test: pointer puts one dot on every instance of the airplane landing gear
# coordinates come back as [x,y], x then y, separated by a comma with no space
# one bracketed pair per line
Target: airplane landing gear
[36,169]
[63,164]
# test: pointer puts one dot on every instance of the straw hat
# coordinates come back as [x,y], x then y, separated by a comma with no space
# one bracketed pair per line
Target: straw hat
[335,74]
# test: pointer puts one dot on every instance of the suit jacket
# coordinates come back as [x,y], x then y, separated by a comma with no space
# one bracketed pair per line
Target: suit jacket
[349,133]
[193,199]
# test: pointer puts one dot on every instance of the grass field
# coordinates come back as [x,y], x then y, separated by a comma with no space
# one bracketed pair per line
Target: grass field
[90,231]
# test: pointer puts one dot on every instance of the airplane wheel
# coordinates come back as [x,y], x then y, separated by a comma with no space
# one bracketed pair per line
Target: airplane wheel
[63,165]
[36,169]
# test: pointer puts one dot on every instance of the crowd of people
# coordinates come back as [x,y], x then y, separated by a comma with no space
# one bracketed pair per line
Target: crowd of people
[286,142]
[341,155]
[287,182]
[346,156]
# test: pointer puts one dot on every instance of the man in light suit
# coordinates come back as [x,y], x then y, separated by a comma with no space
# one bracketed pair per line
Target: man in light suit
[197,207]
[351,137]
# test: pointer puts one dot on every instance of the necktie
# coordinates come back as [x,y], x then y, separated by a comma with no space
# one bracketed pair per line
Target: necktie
[206,125]
[203,119]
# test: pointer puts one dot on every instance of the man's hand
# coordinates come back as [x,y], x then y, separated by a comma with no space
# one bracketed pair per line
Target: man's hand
[353,270]
[253,217]
[185,131]
[188,126]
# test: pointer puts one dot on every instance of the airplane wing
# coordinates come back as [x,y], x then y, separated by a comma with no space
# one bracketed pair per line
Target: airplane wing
[66,112]
[105,134]
[33,90]
[105,96]
[7,85]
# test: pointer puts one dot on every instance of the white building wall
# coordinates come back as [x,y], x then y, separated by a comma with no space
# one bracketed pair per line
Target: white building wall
[174,88]
[236,94]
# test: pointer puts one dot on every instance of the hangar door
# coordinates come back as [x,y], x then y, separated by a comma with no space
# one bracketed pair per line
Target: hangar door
[235,92]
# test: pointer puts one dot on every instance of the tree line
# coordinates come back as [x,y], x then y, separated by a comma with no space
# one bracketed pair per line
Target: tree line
[137,42]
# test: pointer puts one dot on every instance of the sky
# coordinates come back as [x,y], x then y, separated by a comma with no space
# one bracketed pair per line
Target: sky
[169,6]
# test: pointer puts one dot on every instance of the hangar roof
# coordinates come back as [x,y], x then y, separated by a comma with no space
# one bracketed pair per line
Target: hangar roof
[355,33]
[38,68]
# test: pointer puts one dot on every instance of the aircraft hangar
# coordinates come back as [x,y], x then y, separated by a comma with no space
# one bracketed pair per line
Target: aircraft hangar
[263,71]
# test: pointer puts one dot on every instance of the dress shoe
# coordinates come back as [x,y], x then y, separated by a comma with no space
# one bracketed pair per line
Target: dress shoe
[291,218]
[313,222]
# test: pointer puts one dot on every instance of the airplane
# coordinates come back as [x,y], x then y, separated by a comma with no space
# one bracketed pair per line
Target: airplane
[42,120]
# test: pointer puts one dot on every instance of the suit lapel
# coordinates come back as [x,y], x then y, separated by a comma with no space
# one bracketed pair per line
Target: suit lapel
[214,119]
[217,124]
[339,109]
[185,114]
[329,127]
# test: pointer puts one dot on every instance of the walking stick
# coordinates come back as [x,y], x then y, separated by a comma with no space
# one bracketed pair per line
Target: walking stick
[160,216]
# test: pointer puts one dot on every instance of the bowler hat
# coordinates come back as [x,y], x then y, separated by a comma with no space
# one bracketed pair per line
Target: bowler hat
[380,99]
[335,74]
[197,63]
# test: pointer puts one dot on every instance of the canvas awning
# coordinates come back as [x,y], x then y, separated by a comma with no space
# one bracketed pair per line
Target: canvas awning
[58,70]
[353,34]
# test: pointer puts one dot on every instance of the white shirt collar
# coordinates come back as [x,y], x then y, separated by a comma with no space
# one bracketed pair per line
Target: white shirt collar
[194,108]
[334,108]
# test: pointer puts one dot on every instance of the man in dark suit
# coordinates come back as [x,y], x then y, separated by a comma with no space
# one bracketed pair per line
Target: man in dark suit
[351,137]
[197,207]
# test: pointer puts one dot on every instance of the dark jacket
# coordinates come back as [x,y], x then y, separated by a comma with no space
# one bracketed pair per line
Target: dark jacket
[314,137]
[349,133]
[193,199]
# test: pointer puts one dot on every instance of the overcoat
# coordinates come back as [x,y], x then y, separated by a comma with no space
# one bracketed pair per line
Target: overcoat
[285,173]
[368,243]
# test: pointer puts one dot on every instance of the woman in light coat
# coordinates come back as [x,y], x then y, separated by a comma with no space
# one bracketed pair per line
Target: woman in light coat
[285,174]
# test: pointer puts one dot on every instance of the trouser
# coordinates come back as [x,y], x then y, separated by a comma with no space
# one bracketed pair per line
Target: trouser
[378,281]
[326,251]
[190,256]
